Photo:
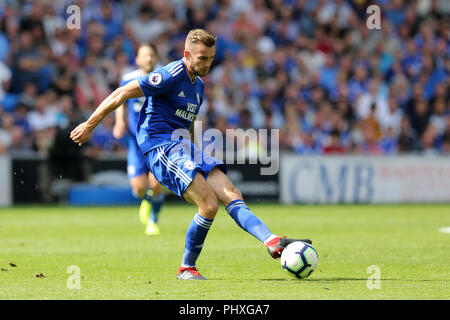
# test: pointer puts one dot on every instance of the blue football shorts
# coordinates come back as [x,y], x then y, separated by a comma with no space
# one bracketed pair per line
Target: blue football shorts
[175,164]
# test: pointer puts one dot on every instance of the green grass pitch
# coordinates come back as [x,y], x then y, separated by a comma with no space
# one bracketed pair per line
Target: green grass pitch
[117,261]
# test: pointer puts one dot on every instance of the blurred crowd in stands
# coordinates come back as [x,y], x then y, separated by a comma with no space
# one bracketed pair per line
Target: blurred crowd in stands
[311,68]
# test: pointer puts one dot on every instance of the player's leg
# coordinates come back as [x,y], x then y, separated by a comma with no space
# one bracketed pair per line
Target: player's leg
[139,187]
[200,194]
[157,197]
[157,200]
[232,198]
[138,176]
[233,201]
[175,170]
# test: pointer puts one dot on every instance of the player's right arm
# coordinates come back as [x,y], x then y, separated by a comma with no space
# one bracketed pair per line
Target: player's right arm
[83,131]
[155,83]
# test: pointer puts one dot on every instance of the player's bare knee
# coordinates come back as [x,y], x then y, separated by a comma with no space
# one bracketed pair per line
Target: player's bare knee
[209,206]
[156,187]
[139,191]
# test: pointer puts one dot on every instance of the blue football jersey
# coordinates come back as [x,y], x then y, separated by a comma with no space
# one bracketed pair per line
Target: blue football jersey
[134,106]
[172,102]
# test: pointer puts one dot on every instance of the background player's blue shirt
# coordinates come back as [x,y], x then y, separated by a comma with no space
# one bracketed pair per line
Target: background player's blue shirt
[134,106]
[173,101]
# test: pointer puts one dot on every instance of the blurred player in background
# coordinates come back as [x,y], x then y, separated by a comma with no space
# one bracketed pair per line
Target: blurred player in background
[174,96]
[138,172]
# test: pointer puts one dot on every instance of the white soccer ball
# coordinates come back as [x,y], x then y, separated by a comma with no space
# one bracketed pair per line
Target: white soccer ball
[299,259]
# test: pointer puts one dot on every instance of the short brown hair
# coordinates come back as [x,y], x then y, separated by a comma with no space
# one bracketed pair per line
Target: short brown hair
[201,35]
[150,45]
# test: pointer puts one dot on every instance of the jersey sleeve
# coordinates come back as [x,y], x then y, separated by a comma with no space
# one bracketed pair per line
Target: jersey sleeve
[156,83]
[123,82]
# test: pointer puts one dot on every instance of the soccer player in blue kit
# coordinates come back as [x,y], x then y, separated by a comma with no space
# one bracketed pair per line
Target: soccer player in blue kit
[174,94]
[138,172]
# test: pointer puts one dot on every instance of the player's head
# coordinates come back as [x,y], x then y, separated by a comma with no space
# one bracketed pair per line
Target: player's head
[146,57]
[199,51]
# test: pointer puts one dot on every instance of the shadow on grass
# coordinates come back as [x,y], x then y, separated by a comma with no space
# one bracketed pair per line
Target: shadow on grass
[352,279]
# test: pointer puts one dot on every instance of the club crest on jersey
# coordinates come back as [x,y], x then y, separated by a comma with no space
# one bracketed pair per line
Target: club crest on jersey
[155,78]
[189,165]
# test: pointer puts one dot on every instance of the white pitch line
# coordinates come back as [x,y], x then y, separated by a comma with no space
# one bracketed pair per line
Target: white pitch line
[444,230]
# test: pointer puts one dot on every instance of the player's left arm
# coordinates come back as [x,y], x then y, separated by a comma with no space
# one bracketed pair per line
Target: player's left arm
[83,132]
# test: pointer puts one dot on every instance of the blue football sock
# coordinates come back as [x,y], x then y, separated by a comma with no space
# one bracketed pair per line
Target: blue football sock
[157,202]
[245,219]
[195,236]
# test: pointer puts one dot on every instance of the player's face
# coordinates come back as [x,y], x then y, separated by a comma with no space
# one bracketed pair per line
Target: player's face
[146,59]
[200,59]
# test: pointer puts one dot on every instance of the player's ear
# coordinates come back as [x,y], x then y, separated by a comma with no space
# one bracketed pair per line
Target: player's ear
[186,54]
